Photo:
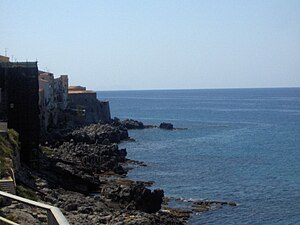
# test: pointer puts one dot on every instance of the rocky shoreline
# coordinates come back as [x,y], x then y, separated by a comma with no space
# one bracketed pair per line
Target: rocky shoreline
[83,172]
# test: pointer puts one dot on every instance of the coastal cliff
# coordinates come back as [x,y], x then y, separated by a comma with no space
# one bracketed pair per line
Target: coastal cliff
[69,152]
[83,172]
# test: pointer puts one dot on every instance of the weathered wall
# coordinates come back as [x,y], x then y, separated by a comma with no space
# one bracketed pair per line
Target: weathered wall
[105,111]
[53,100]
[45,99]
[88,108]
[60,92]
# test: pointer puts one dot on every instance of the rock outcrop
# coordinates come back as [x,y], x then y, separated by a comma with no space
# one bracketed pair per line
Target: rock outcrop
[98,133]
[95,158]
[92,134]
[133,195]
[166,126]
[132,124]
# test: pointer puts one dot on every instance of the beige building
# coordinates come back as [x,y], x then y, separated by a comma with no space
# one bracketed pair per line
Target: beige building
[4,59]
[53,100]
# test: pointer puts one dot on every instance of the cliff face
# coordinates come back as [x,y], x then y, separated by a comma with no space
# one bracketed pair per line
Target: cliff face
[9,153]
[87,109]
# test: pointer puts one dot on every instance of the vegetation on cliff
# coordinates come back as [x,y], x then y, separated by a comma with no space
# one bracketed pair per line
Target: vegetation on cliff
[26,193]
[8,144]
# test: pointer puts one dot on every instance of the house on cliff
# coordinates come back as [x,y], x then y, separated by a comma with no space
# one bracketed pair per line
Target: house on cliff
[62,105]
[53,100]
[87,108]
[19,104]
[32,101]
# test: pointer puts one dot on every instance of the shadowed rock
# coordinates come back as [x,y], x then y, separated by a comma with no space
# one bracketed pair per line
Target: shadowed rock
[166,126]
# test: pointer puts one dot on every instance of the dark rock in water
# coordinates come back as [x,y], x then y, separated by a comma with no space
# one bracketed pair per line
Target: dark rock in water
[151,126]
[182,215]
[203,206]
[150,201]
[166,126]
[132,124]
[232,204]
[135,162]
[200,207]
[133,195]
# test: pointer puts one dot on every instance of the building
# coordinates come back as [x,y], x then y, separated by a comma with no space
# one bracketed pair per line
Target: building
[53,100]
[33,102]
[63,106]
[87,108]
[19,104]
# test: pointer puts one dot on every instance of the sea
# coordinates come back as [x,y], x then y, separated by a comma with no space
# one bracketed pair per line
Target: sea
[239,145]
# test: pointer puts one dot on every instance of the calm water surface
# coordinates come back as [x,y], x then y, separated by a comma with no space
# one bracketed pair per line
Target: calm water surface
[241,145]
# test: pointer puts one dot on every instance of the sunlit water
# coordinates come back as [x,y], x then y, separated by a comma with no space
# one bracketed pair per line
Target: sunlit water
[241,145]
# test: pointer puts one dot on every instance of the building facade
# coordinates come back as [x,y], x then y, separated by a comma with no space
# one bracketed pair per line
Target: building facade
[87,108]
[19,104]
[53,100]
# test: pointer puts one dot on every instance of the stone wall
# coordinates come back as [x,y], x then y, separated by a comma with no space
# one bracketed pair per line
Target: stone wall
[88,108]
[105,111]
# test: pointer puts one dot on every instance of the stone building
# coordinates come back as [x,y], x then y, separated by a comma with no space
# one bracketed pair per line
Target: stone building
[53,100]
[19,103]
[62,106]
[87,108]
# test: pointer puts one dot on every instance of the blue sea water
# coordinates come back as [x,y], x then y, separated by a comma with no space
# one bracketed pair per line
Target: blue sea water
[241,145]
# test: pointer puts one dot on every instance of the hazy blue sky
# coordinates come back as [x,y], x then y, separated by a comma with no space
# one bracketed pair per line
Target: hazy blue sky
[153,44]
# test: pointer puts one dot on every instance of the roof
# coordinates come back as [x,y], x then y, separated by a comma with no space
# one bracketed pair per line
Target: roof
[77,88]
[70,92]
[19,64]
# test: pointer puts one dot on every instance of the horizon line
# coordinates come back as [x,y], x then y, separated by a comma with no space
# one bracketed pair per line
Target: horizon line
[186,89]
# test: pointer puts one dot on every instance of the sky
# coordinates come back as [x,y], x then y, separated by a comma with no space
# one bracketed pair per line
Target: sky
[157,44]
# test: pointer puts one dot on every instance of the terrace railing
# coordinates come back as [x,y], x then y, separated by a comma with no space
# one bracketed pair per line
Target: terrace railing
[54,215]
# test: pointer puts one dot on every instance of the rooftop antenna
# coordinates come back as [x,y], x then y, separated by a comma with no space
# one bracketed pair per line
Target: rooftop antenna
[6,52]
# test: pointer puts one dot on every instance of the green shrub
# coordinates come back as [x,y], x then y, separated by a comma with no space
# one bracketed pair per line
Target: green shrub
[46,150]
[7,146]
[13,137]
[26,193]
